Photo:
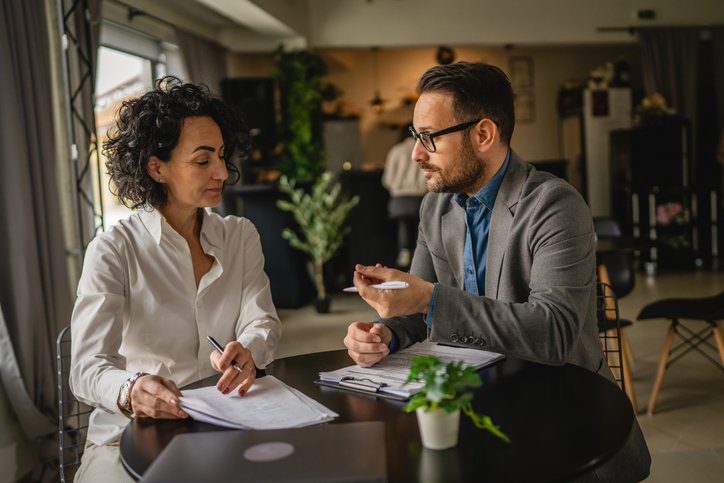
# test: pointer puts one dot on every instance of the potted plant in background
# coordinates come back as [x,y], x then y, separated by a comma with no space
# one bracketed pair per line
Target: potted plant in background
[446,392]
[321,215]
[299,74]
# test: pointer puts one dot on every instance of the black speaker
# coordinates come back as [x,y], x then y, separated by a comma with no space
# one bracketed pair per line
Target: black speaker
[253,97]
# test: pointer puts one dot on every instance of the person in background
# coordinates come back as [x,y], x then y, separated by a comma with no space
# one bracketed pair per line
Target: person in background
[505,256]
[156,284]
[407,185]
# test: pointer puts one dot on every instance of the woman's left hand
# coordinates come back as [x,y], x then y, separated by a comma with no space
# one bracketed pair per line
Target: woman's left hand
[232,377]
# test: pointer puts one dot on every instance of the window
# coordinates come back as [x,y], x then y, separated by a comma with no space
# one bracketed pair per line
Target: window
[128,63]
[121,76]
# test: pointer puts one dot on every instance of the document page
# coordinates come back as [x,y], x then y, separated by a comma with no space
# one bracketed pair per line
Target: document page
[389,375]
[269,404]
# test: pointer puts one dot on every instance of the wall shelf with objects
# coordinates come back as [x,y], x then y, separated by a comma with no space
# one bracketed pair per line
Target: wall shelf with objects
[655,200]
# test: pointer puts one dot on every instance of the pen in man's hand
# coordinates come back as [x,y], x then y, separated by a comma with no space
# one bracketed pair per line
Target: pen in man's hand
[218,347]
[391,285]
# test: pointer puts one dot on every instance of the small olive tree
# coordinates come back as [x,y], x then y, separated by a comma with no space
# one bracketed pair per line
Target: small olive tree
[321,215]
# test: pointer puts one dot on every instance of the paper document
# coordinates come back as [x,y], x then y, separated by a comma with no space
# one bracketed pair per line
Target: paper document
[388,376]
[269,404]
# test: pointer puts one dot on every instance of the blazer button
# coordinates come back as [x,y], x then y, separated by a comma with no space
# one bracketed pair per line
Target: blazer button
[482,342]
[454,338]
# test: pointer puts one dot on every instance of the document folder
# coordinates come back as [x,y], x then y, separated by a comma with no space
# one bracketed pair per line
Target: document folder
[351,452]
[369,389]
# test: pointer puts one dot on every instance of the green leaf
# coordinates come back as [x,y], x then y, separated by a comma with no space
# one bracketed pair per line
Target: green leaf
[448,386]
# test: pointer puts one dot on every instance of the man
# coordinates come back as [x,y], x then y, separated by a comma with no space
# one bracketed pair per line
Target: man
[505,257]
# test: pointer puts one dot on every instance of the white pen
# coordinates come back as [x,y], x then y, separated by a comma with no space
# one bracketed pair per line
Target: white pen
[391,285]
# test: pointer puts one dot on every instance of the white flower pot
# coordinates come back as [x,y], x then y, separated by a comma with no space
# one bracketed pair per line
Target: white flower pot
[438,429]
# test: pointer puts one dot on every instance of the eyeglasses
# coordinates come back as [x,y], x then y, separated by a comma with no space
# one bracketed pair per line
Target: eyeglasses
[426,138]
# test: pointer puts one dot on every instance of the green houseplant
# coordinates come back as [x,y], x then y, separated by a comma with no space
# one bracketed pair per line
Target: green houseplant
[321,215]
[446,392]
[299,75]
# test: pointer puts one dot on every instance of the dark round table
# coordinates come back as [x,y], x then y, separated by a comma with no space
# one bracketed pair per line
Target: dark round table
[562,422]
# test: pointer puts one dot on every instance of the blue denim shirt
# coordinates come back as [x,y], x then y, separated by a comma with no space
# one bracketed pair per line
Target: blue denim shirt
[478,213]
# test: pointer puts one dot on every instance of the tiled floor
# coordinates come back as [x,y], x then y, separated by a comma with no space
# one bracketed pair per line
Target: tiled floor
[686,433]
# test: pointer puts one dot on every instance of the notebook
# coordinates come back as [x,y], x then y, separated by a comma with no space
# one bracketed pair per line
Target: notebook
[351,452]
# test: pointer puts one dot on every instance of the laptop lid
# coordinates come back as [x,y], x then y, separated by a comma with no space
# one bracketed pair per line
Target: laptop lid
[352,452]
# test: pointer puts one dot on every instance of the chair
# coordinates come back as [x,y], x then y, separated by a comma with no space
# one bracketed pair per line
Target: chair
[72,414]
[609,331]
[707,309]
[616,268]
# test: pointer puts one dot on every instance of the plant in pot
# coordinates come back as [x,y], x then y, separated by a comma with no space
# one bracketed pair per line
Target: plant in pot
[321,215]
[446,392]
[299,75]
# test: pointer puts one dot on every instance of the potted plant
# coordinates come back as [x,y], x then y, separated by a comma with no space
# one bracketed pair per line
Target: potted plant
[299,74]
[321,215]
[446,392]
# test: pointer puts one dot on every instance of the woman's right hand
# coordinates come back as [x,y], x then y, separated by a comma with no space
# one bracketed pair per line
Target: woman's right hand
[156,397]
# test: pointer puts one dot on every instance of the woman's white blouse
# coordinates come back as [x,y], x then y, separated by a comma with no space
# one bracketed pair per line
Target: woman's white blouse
[138,308]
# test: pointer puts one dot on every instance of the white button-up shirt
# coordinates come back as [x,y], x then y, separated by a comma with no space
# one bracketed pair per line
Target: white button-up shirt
[138,308]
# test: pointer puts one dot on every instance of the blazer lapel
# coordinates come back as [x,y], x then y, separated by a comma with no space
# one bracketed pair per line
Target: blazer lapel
[453,225]
[502,221]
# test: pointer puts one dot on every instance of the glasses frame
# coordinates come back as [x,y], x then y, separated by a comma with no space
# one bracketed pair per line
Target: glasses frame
[426,138]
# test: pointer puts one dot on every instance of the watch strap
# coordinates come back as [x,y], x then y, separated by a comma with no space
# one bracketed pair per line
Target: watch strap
[124,395]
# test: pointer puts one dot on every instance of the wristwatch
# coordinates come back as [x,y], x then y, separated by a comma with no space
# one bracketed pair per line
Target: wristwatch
[124,395]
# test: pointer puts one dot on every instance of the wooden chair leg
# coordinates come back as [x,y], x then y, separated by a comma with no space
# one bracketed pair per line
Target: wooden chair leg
[628,377]
[719,341]
[626,349]
[662,367]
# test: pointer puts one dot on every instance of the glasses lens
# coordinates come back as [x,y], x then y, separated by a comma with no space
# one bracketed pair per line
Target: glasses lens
[427,142]
[424,138]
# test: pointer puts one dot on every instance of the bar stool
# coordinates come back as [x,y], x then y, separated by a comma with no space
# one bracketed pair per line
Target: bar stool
[708,309]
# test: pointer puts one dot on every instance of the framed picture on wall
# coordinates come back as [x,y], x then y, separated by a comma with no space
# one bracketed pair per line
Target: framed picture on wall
[524,106]
[521,72]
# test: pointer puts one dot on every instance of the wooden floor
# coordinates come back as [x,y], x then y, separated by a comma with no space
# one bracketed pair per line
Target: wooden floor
[685,434]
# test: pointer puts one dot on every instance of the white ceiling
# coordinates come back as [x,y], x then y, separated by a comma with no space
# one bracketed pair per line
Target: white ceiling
[260,25]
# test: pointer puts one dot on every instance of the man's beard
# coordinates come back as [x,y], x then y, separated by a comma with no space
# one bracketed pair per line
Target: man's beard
[464,174]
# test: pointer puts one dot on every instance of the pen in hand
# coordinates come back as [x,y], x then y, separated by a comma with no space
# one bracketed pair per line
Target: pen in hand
[218,347]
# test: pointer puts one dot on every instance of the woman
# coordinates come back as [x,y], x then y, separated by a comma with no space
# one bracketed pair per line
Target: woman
[155,285]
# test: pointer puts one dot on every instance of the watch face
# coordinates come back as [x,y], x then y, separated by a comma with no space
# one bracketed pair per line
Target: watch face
[124,398]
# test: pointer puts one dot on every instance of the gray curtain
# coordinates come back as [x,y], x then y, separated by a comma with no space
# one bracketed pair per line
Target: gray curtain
[718,58]
[34,294]
[670,63]
[205,60]
[670,66]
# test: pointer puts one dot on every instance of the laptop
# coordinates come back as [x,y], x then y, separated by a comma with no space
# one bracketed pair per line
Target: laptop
[351,452]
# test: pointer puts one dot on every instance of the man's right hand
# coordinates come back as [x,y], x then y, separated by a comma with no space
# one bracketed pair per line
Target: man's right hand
[367,342]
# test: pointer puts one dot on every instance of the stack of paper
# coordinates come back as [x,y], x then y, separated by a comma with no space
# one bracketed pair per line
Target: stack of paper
[269,404]
[388,376]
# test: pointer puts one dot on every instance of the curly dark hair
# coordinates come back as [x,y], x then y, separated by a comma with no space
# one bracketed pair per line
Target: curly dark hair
[150,125]
[477,89]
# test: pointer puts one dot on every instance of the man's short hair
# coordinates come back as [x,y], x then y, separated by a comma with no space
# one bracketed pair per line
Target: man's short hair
[478,90]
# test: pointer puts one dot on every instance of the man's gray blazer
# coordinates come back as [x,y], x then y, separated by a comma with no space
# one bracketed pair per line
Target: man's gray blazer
[540,287]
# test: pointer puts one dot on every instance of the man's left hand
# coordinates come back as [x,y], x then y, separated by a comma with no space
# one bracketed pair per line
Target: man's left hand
[392,303]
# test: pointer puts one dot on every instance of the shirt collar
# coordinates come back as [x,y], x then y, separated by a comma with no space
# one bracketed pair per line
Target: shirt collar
[487,194]
[157,226]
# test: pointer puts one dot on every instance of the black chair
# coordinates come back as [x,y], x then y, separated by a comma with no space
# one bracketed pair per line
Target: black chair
[610,331]
[616,268]
[72,414]
[707,309]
